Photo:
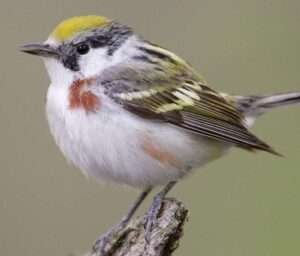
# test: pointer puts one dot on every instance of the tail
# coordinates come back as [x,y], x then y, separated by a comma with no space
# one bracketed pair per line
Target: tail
[254,106]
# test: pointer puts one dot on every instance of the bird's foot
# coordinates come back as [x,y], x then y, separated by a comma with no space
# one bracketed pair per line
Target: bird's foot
[152,215]
[103,244]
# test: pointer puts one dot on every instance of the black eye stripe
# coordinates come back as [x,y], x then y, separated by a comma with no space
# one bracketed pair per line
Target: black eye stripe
[99,41]
[83,48]
[110,37]
[71,62]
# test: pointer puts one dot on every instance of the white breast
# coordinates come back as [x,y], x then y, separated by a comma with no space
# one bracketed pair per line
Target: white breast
[110,144]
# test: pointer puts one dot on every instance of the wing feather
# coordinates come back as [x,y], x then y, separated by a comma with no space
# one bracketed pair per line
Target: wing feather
[208,115]
[182,98]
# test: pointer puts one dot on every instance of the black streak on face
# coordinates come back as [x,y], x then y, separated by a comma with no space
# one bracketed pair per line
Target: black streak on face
[69,56]
[112,37]
[71,62]
[98,41]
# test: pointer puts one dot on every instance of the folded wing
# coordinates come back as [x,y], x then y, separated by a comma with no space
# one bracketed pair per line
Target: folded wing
[195,108]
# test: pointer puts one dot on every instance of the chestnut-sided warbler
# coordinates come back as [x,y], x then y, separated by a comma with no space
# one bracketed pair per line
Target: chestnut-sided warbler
[126,110]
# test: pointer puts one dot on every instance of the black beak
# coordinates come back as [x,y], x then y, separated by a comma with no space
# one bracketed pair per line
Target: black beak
[43,50]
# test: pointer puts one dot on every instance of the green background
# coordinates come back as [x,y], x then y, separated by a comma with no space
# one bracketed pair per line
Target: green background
[244,204]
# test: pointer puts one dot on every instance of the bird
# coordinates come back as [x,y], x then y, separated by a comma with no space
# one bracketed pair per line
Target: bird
[125,110]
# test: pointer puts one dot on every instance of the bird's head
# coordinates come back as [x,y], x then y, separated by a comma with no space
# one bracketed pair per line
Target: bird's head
[80,47]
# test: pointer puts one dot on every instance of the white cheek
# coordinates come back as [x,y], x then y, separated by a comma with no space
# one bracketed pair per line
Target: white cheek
[58,73]
[94,62]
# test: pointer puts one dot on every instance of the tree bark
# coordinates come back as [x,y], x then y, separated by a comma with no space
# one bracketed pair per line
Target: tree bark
[164,238]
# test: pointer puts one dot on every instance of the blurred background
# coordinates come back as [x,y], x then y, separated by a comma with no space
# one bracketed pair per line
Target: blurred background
[244,204]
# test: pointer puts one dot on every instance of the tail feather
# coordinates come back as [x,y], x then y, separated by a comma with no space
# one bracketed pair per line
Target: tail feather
[254,106]
[257,105]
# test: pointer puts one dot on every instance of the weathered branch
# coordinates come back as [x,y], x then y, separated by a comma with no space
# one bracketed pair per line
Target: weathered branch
[165,235]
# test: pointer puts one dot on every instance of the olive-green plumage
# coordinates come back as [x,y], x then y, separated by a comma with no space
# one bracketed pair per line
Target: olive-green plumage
[177,94]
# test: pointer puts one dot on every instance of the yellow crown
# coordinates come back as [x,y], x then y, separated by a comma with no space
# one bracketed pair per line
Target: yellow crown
[70,27]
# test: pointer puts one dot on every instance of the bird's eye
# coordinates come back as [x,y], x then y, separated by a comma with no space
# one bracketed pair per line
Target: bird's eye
[83,49]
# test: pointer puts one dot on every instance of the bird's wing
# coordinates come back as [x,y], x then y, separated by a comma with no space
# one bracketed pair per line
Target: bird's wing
[194,107]
[158,84]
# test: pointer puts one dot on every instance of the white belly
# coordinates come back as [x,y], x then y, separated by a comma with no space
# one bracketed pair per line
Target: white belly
[110,144]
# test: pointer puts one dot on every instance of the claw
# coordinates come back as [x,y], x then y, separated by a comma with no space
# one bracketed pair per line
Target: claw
[154,210]
[101,243]
[152,215]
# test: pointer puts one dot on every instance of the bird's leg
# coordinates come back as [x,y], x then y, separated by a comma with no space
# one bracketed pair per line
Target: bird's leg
[135,206]
[154,209]
[103,240]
